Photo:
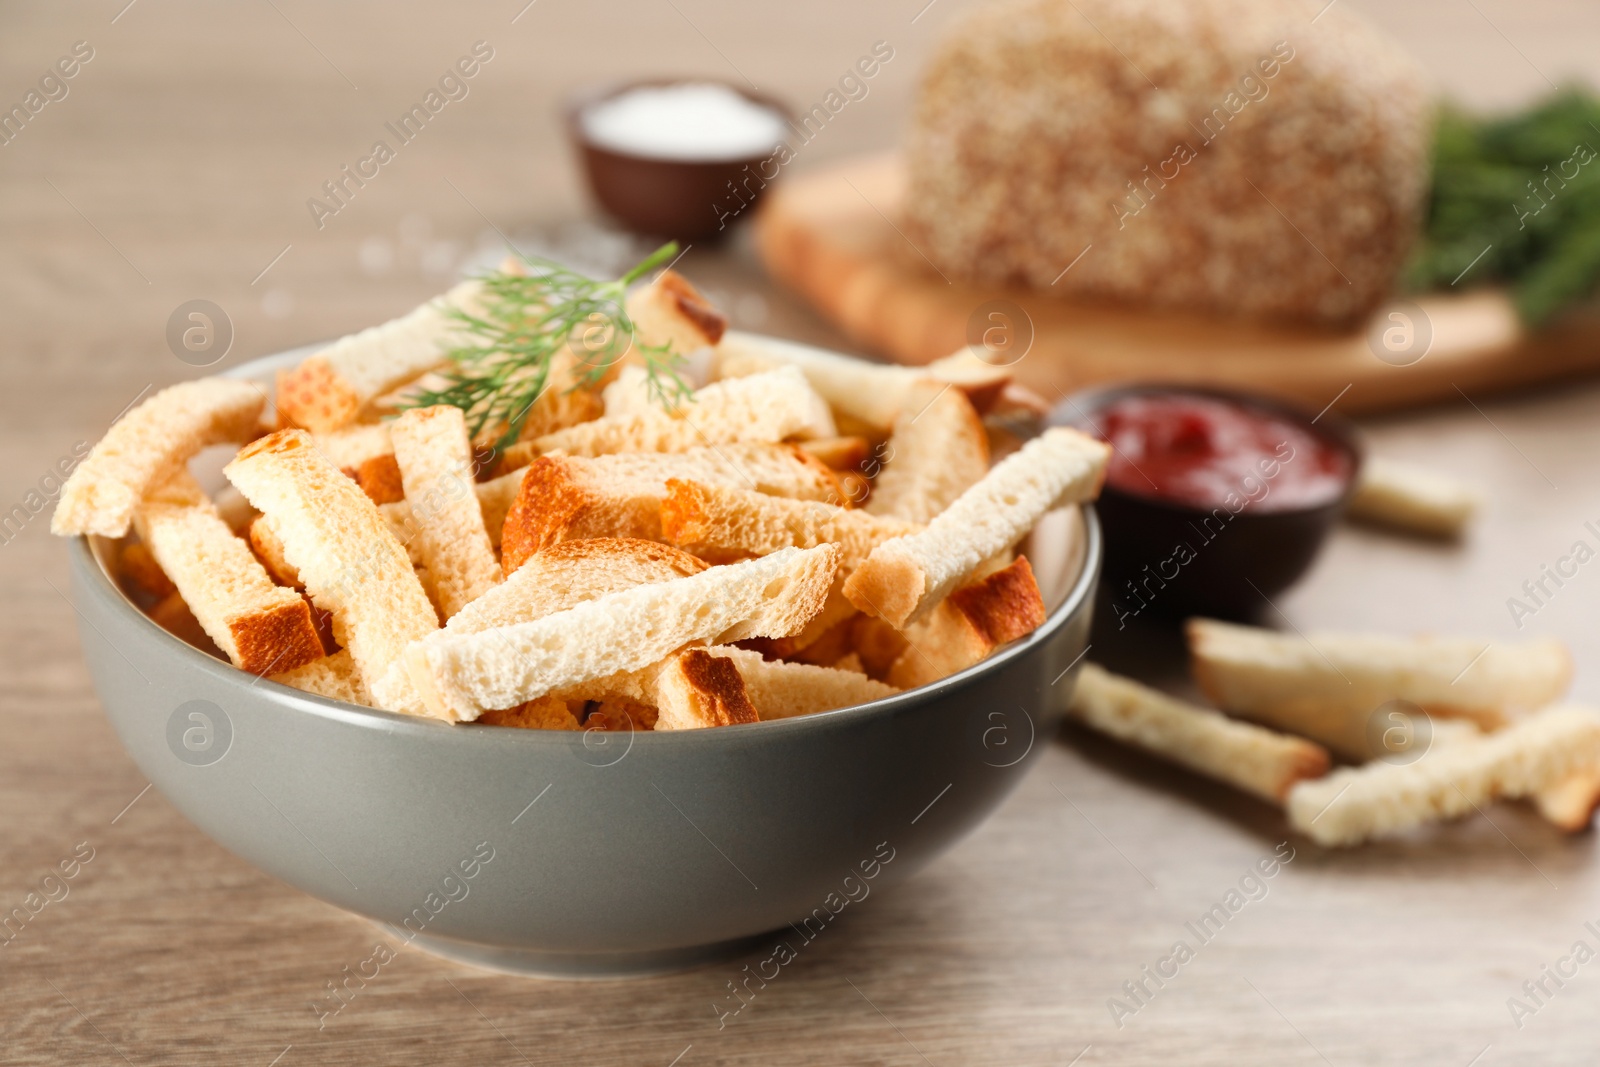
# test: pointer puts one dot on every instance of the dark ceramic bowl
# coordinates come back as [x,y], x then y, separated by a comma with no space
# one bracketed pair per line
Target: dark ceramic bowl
[1231,570]
[683,199]
[584,854]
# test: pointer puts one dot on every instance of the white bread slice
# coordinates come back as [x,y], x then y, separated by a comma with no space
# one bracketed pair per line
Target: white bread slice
[903,579]
[334,677]
[564,498]
[670,311]
[873,393]
[348,448]
[969,624]
[461,675]
[939,450]
[495,498]
[330,389]
[435,459]
[340,544]
[781,690]
[569,574]
[1412,498]
[767,407]
[268,548]
[1380,798]
[150,444]
[1327,686]
[721,524]
[261,627]
[1249,757]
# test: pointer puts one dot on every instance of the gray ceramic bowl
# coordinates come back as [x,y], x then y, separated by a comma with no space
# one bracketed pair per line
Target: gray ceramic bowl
[584,854]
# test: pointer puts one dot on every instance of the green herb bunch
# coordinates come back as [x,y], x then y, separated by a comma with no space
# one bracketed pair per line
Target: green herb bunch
[504,365]
[1523,193]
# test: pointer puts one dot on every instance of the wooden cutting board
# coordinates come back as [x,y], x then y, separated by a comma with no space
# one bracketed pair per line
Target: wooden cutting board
[828,235]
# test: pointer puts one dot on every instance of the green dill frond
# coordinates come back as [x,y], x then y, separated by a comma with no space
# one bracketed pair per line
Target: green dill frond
[502,355]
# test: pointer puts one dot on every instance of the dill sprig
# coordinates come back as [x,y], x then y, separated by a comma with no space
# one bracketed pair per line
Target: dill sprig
[1516,201]
[504,364]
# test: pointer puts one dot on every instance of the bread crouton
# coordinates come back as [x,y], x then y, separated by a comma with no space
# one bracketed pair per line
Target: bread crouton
[562,498]
[1380,798]
[1249,757]
[261,627]
[149,445]
[340,544]
[722,524]
[1327,686]
[768,407]
[329,390]
[939,450]
[334,677]
[435,461]
[969,624]
[903,579]
[460,675]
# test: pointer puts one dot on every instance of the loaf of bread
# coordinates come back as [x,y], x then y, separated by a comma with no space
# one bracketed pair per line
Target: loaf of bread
[1223,155]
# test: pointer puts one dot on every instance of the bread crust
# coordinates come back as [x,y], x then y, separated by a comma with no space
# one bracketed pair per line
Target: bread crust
[340,544]
[149,445]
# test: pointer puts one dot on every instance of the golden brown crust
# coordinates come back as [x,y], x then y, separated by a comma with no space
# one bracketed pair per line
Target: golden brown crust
[279,639]
[1004,606]
[379,478]
[269,550]
[313,396]
[718,687]
[693,306]
[838,453]
[553,505]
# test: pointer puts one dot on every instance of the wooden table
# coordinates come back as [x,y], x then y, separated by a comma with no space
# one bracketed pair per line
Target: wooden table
[178,167]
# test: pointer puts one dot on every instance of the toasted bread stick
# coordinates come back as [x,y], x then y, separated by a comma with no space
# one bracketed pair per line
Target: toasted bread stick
[262,627]
[435,460]
[1328,686]
[722,524]
[328,390]
[564,498]
[939,450]
[764,407]
[1249,757]
[903,579]
[149,445]
[1390,493]
[969,624]
[1378,799]
[334,536]
[461,675]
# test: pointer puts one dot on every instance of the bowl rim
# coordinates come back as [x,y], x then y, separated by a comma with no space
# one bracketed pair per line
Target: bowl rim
[1327,425]
[95,582]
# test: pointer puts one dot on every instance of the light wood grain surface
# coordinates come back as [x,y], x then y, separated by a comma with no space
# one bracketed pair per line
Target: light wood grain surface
[178,168]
